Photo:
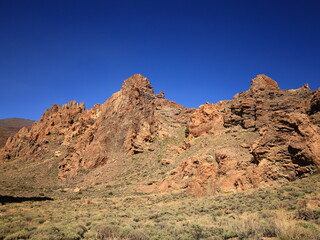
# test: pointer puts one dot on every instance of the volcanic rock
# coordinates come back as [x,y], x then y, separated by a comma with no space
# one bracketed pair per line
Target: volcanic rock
[206,119]
[292,143]
[288,146]
[263,82]
[261,137]
[125,124]
[10,126]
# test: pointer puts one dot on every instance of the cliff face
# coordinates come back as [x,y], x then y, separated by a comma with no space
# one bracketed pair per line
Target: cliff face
[56,125]
[262,136]
[83,139]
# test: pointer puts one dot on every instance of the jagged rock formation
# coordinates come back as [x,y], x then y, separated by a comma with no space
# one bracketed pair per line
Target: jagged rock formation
[288,146]
[261,136]
[55,126]
[125,124]
[207,119]
[10,126]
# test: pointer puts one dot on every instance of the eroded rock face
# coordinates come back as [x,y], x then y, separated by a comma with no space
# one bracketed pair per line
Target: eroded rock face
[263,136]
[125,124]
[206,119]
[314,112]
[56,126]
[262,83]
[253,109]
[290,142]
[288,146]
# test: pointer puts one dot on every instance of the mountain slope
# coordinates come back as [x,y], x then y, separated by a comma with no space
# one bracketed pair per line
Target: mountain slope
[150,144]
[10,126]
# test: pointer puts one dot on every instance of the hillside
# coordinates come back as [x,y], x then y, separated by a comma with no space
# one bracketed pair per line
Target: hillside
[10,126]
[140,166]
[261,137]
[289,211]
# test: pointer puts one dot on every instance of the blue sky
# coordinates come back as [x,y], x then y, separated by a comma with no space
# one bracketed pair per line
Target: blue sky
[195,51]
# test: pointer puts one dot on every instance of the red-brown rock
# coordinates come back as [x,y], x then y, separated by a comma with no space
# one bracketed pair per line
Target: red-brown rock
[262,136]
[125,124]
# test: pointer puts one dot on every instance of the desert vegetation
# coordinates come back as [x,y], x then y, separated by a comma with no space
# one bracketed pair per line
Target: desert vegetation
[288,211]
[142,167]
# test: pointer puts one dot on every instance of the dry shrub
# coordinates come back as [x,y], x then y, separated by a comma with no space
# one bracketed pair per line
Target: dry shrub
[245,226]
[251,226]
[281,224]
[117,238]
[288,228]
[23,234]
[107,232]
[137,235]
[308,214]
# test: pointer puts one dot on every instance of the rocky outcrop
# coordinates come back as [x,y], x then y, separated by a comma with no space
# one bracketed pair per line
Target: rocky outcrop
[206,119]
[56,126]
[128,123]
[125,124]
[262,136]
[10,126]
[314,112]
[262,83]
[288,146]
[253,109]
[208,174]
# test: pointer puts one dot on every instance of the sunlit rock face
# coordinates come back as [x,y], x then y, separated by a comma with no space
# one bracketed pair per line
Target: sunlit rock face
[262,136]
[284,144]
[125,124]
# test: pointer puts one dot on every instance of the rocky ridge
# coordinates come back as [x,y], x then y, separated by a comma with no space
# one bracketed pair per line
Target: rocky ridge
[10,126]
[84,139]
[287,148]
[262,136]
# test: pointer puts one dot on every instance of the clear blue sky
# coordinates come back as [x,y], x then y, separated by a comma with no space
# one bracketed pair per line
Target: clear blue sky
[195,51]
